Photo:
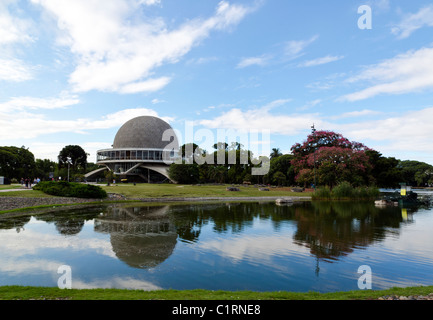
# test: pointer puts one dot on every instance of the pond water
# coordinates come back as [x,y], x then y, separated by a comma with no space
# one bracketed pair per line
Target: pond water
[315,246]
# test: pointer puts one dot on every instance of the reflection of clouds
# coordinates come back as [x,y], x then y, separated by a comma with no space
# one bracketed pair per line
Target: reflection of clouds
[253,248]
[414,242]
[380,282]
[22,266]
[19,251]
[115,282]
[31,241]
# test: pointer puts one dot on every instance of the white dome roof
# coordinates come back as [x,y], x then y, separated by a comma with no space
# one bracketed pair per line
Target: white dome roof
[143,132]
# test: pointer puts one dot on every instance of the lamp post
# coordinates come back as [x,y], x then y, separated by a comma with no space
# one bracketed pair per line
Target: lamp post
[313,130]
[68,160]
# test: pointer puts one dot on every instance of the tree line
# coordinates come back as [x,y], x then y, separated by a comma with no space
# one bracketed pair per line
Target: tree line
[18,163]
[325,158]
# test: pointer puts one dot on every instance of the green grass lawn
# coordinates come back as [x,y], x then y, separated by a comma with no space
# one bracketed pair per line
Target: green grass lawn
[40,293]
[26,193]
[9,186]
[145,190]
[165,192]
[175,191]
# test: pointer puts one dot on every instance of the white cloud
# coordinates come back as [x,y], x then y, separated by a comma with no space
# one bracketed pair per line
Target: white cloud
[251,61]
[118,51]
[26,127]
[356,114]
[404,134]
[149,85]
[408,72]
[202,60]
[320,61]
[13,29]
[51,150]
[291,50]
[294,49]
[412,126]
[262,119]
[149,2]
[32,103]
[327,83]
[412,22]
[311,104]
[379,5]
[156,101]
[401,136]
[119,118]
[15,70]
[32,125]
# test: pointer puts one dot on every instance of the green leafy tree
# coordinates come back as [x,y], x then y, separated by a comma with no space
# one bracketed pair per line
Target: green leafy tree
[283,164]
[184,173]
[75,155]
[279,178]
[44,168]
[385,172]
[275,153]
[16,163]
[416,173]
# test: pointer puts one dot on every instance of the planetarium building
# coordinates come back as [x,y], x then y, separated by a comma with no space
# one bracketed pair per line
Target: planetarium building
[143,149]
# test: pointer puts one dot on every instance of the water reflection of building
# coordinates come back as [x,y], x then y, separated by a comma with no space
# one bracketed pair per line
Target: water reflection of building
[142,237]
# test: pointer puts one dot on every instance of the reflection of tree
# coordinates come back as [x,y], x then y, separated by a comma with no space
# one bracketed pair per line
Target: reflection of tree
[225,217]
[334,229]
[146,235]
[70,221]
[17,223]
[330,230]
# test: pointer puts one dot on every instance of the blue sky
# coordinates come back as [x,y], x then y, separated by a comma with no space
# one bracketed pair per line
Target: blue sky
[72,72]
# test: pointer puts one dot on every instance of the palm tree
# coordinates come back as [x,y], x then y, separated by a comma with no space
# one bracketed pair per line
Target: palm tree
[275,153]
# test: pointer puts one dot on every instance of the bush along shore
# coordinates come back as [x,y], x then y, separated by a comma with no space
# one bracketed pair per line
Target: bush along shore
[71,189]
[345,191]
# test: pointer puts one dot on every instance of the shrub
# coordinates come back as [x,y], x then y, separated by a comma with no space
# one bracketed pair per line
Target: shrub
[322,193]
[343,190]
[71,189]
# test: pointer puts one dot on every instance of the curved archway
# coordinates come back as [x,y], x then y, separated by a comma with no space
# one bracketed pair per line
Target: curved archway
[161,169]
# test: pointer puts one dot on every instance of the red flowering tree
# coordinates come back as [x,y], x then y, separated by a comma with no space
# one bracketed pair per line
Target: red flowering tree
[331,158]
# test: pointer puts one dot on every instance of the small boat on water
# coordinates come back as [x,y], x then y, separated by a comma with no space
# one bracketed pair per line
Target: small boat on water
[405,198]
[385,203]
[281,201]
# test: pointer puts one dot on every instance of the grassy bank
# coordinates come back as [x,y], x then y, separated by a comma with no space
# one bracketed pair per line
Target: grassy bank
[144,190]
[157,193]
[46,293]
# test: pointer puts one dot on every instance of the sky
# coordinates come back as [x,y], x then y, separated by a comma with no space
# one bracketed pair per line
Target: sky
[72,72]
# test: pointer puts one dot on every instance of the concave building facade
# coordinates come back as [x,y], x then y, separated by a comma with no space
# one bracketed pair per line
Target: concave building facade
[143,149]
